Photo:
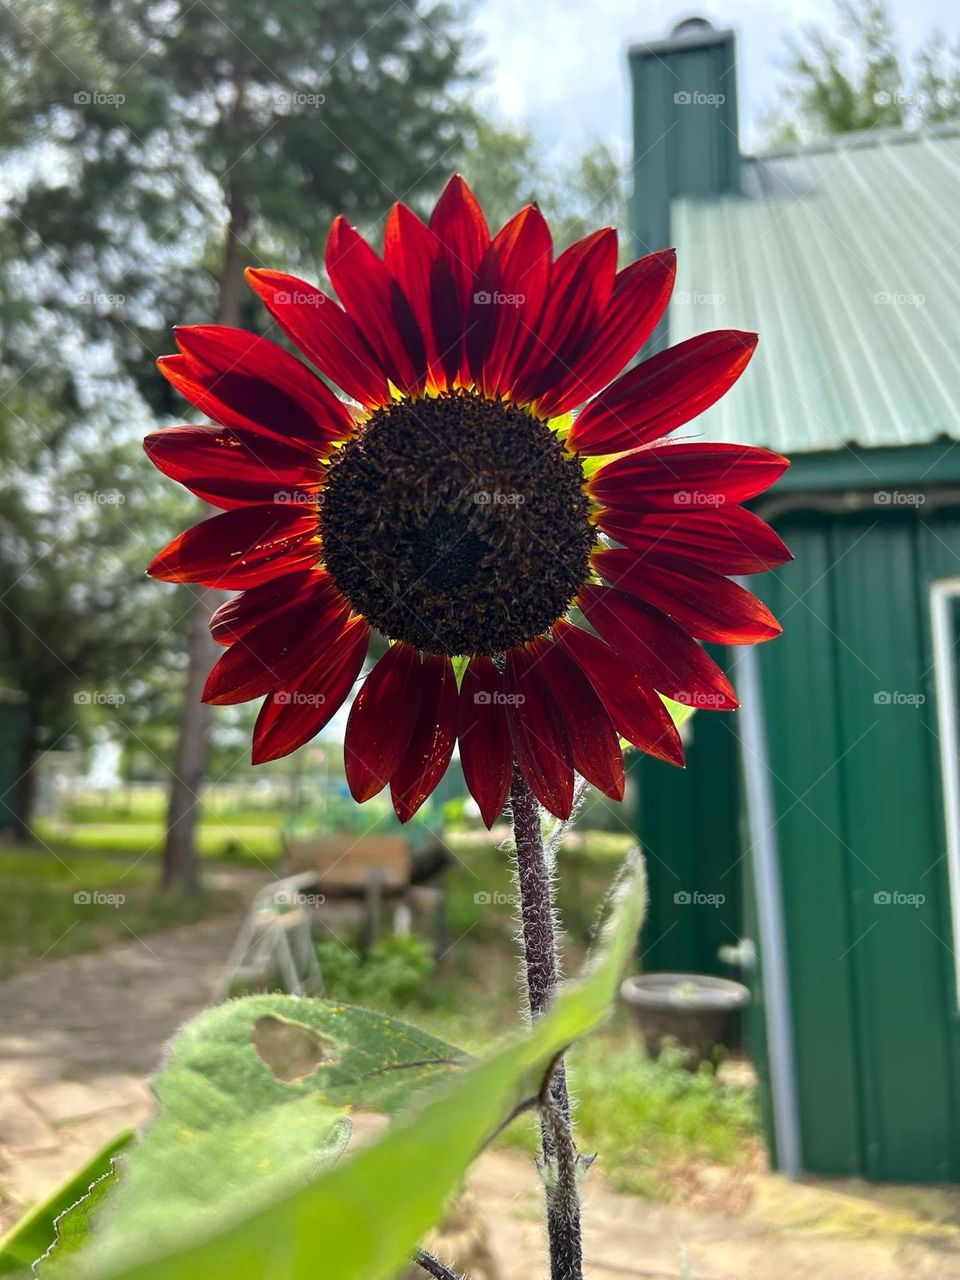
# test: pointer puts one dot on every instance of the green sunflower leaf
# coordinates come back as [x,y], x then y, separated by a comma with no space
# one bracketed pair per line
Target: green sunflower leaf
[75,1227]
[252,1103]
[361,1219]
[680,712]
[57,1223]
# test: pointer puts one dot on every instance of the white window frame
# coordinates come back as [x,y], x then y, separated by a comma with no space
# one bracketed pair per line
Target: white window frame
[945,659]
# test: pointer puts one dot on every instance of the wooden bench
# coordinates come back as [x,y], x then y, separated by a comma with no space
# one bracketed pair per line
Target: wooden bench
[347,862]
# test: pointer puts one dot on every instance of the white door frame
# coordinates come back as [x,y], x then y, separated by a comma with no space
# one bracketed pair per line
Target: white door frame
[945,658]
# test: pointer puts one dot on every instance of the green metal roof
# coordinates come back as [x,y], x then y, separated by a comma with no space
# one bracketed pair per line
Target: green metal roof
[844,258]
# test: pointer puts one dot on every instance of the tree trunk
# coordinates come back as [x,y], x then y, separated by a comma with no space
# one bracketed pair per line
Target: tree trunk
[180,866]
[181,869]
[25,790]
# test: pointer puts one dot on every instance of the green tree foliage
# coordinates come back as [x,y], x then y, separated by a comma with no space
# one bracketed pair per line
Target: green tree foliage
[852,78]
[938,79]
[158,125]
[155,150]
[78,619]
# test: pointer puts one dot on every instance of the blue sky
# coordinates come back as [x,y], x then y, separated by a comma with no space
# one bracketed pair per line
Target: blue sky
[560,66]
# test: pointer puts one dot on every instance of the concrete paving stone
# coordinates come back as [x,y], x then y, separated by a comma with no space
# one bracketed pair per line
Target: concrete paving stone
[84,1137]
[63,1101]
[22,1126]
[37,1177]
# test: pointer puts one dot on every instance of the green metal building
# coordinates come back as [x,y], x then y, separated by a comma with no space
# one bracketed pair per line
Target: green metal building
[825,814]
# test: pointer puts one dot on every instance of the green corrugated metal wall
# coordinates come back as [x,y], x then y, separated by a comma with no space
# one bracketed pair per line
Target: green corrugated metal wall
[689,826]
[857,794]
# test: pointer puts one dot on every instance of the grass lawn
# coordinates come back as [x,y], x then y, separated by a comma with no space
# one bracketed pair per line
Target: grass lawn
[132,822]
[218,836]
[62,906]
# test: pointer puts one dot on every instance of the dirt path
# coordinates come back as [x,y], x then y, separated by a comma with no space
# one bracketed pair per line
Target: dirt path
[79,1036]
[628,1237]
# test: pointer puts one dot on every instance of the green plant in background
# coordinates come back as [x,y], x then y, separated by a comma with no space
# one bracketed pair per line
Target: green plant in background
[391,972]
[639,1114]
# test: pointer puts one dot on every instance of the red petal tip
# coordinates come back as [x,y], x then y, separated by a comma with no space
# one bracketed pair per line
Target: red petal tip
[155,570]
[258,278]
[260,754]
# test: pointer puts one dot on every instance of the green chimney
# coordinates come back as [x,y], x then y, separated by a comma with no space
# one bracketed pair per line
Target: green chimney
[684,125]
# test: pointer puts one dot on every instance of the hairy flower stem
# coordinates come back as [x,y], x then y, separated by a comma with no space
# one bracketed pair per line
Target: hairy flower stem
[434,1267]
[541,969]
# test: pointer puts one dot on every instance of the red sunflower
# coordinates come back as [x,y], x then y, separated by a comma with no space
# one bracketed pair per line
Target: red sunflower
[458,508]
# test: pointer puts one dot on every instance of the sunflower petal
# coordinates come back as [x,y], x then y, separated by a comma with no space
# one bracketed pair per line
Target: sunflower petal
[232,468]
[381,721]
[593,739]
[580,286]
[636,710]
[377,306]
[461,229]
[291,717]
[680,476]
[511,285]
[729,539]
[251,383]
[326,335]
[411,252]
[486,753]
[283,645]
[431,744]
[241,613]
[541,742]
[707,605]
[662,393]
[241,548]
[640,296]
[658,649]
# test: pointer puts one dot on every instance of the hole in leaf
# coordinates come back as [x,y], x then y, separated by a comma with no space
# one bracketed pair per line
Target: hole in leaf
[290,1049]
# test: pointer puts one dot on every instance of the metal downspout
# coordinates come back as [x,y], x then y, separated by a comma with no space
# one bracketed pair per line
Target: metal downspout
[764,857]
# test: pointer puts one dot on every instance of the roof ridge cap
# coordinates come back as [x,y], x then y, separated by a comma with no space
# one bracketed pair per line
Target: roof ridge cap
[860,140]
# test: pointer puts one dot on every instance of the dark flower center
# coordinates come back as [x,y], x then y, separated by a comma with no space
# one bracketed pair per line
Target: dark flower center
[456,524]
